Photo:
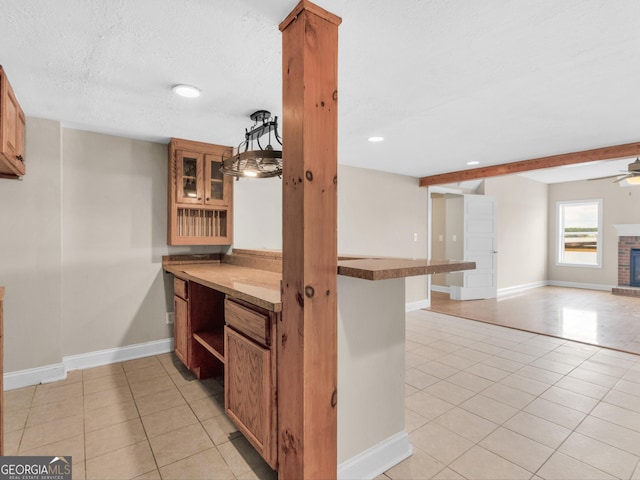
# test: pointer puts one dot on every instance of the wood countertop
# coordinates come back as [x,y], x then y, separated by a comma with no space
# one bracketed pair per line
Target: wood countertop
[248,276]
[259,287]
[385,268]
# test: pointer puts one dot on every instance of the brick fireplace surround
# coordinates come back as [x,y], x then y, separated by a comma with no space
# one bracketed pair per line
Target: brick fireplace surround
[625,244]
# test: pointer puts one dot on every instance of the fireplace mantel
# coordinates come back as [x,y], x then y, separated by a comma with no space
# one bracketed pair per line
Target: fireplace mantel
[628,229]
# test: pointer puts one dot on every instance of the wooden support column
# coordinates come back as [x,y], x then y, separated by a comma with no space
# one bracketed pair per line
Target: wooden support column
[307,348]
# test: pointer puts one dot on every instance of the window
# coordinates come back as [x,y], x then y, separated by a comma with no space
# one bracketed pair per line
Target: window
[579,233]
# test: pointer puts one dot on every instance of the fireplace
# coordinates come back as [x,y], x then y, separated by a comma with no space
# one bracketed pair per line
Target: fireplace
[627,245]
[634,267]
[628,260]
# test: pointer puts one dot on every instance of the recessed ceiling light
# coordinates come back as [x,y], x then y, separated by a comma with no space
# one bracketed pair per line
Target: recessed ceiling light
[187,91]
[473,162]
[376,139]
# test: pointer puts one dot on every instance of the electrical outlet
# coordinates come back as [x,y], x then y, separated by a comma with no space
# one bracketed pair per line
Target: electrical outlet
[454,237]
[415,237]
[170,317]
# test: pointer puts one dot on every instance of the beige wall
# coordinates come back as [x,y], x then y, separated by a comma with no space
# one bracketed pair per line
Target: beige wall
[522,229]
[114,235]
[378,214]
[454,229]
[620,205]
[83,237]
[438,235]
[86,229]
[31,253]
[84,232]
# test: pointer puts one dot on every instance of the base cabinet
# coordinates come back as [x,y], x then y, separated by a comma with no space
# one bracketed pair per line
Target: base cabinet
[214,332]
[250,375]
[198,328]
[181,329]
[247,395]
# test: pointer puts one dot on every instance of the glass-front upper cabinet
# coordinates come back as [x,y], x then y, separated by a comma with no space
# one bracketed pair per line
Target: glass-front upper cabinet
[216,185]
[200,206]
[189,174]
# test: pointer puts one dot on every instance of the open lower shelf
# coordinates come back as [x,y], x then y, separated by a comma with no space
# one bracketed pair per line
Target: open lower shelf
[213,341]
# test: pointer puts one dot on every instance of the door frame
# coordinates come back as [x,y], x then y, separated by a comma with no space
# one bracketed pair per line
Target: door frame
[434,189]
[443,190]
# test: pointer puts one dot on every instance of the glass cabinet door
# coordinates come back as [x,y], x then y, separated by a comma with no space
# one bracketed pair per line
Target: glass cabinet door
[215,182]
[189,175]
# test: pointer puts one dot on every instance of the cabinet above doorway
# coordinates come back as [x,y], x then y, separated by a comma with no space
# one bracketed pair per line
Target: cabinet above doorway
[200,196]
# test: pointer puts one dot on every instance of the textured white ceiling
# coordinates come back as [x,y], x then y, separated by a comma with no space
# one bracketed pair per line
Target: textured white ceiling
[444,81]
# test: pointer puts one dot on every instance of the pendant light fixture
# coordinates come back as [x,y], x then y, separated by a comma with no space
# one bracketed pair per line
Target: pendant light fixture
[255,156]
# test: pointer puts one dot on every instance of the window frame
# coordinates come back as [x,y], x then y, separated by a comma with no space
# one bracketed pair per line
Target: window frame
[560,232]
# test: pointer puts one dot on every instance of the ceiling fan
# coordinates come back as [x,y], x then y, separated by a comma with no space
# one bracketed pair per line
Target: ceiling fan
[631,175]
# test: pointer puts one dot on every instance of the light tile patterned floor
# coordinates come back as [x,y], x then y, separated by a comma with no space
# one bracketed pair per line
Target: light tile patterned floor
[145,419]
[526,406]
[482,402]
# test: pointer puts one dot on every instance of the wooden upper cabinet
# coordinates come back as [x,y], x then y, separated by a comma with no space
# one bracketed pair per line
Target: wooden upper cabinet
[217,186]
[200,196]
[12,127]
[200,180]
[189,178]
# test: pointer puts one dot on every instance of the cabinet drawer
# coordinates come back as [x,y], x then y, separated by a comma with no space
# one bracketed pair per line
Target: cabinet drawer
[180,287]
[254,325]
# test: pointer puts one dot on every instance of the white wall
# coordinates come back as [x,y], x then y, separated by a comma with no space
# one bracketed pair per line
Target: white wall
[257,219]
[378,214]
[522,229]
[620,205]
[82,239]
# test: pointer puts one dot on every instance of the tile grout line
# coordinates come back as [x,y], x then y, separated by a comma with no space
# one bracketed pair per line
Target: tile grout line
[563,376]
[135,403]
[574,430]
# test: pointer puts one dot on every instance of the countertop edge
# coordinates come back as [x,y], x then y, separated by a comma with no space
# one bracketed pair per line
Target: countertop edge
[371,269]
[367,270]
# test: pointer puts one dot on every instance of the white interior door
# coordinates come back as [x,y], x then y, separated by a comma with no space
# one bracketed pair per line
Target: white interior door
[479,240]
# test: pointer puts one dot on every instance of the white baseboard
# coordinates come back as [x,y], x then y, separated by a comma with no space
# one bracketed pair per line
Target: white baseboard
[52,373]
[587,286]
[521,288]
[119,354]
[411,306]
[377,459]
[440,288]
[34,376]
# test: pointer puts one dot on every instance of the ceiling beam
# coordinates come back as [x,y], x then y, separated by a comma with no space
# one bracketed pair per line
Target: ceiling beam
[604,153]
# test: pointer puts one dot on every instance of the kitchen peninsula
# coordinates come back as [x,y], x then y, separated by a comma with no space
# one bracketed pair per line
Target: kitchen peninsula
[227,311]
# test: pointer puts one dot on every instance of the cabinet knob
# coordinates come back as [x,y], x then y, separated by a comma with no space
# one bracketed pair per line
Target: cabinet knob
[20,157]
[208,199]
[199,198]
